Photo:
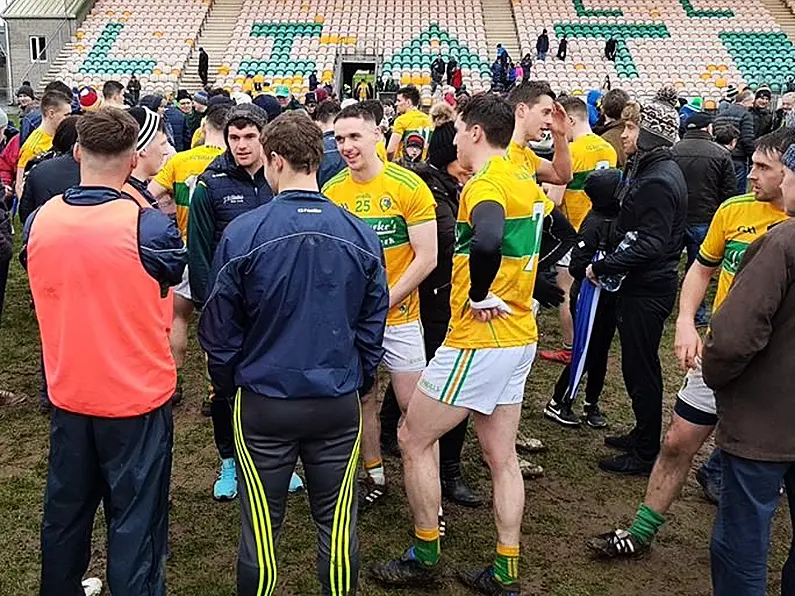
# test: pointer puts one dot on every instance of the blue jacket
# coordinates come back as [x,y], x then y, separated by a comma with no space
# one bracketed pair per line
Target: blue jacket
[175,118]
[163,254]
[332,163]
[299,301]
[224,191]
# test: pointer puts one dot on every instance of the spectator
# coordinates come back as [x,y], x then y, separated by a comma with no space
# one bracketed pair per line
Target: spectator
[438,69]
[653,200]
[764,117]
[611,47]
[32,120]
[457,80]
[286,100]
[441,113]
[563,46]
[784,115]
[26,99]
[542,45]
[194,118]
[157,103]
[726,136]
[748,361]
[527,67]
[452,64]
[6,251]
[709,175]
[738,115]
[204,66]
[500,51]
[134,88]
[613,104]
[313,80]
[332,162]
[113,94]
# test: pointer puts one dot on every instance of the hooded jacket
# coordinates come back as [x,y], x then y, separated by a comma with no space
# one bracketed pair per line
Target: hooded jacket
[593,111]
[224,191]
[653,199]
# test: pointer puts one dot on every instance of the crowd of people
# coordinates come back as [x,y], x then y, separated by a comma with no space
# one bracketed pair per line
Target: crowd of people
[418,242]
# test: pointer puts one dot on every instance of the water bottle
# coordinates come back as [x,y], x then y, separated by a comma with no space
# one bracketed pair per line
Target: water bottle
[612,283]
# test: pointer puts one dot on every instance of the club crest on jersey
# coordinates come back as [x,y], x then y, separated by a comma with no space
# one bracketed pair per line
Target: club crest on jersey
[386,203]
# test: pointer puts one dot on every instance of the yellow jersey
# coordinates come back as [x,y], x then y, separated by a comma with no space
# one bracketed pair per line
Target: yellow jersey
[413,123]
[390,203]
[736,224]
[380,149]
[38,142]
[179,177]
[525,205]
[525,157]
[588,153]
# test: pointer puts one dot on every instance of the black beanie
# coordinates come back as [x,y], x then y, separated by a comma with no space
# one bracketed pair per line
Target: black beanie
[441,150]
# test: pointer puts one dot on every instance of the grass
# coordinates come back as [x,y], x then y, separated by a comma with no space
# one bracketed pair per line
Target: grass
[573,500]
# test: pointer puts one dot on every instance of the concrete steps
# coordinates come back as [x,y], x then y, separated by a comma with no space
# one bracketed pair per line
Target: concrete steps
[214,38]
[500,24]
[783,15]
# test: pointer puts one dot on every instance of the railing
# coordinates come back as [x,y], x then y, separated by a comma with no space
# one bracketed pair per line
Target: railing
[63,34]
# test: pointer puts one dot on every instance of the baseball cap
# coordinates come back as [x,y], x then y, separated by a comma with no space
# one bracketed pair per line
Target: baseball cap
[282,91]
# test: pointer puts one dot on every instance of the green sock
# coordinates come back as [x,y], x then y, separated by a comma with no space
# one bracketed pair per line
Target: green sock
[647,523]
[426,546]
[506,564]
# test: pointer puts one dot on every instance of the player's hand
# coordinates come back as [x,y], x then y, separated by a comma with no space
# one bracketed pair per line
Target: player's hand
[687,344]
[591,275]
[491,307]
[560,121]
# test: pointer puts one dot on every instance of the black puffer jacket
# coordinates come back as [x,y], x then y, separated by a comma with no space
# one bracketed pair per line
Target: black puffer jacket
[708,172]
[435,289]
[739,116]
[653,200]
[764,120]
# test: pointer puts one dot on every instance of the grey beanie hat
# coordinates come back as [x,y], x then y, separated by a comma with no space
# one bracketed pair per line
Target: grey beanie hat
[661,120]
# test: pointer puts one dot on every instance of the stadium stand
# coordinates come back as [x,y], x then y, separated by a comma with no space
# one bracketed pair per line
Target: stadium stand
[701,49]
[700,45]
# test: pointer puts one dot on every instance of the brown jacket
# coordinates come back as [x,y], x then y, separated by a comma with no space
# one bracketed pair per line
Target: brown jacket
[749,354]
[612,134]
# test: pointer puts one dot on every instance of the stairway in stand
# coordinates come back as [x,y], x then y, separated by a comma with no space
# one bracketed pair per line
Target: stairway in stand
[500,25]
[214,38]
[783,15]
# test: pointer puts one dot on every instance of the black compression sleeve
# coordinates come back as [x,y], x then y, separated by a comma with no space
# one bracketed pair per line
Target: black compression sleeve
[485,252]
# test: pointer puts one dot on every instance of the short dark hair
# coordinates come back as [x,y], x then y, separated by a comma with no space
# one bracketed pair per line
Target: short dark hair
[294,137]
[53,99]
[614,102]
[111,88]
[108,132]
[493,114]
[59,86]
[725,134]
[216,115]
[574,105]
[215,92]
[327,110]
[65,135]
[777,141]
[356,110]
[411,93]
[529,93]
[376,108]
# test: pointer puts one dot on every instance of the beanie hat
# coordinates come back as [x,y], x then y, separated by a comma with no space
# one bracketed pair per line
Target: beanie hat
[249,112]
[415,140]
[3,119]
[788,159]
[200,97]
[348,102]
[764,91]
[219,100]
[441,150]
[321,94]
[26,90]
[667,94]
[731,93]
[240,98]
[182,94]
[89,99]
[270,105]
[660,120]
[698,121]
[148,123]
[310,98]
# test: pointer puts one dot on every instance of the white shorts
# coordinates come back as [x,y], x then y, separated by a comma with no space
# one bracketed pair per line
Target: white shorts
[479,379]
[182,289]
[695,393]
[405,348]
